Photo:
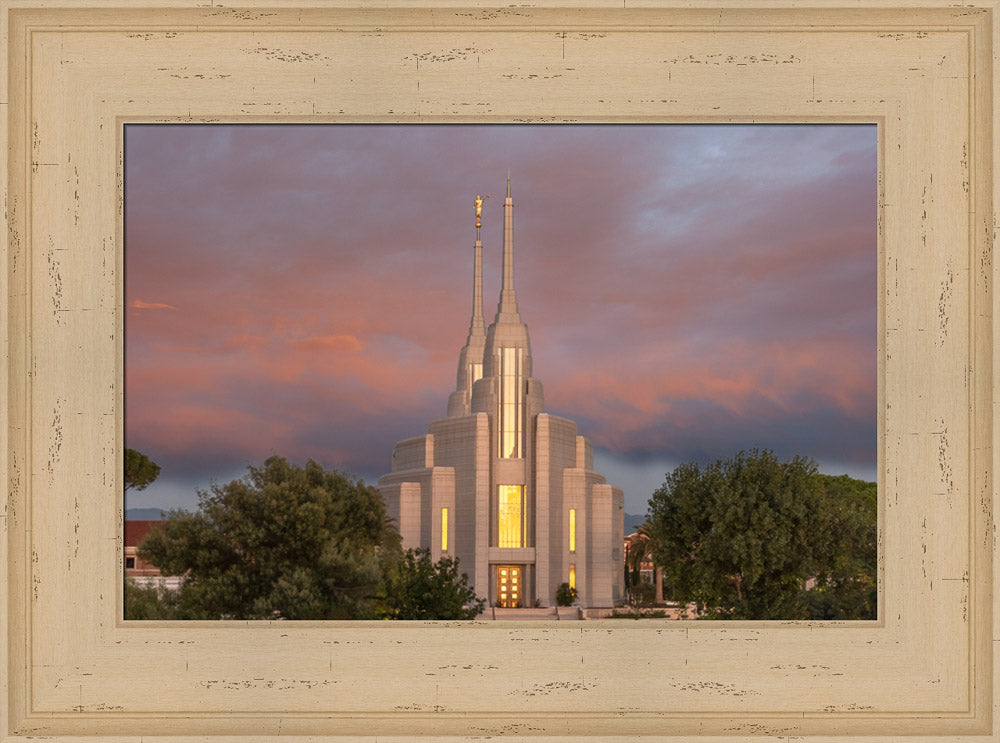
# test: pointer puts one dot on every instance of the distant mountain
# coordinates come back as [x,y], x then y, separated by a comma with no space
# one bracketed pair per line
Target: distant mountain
[632,521]
[144,514]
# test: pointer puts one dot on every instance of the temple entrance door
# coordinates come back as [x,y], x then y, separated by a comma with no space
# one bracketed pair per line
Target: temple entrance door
[509,586]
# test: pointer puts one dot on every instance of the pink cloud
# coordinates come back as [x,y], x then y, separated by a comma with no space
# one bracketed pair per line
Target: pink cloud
[326,282]
[140,305]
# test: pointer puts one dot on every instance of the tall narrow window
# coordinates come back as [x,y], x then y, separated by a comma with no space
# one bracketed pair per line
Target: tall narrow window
[475,374]
[572,575]
[444,529]
[572,530]
[511,406]
[509,516]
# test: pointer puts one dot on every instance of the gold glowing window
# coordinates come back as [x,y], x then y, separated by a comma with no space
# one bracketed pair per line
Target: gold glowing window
[475,374]
[509,516]
[511,406]
[444,529]
[572,530]
[572,576]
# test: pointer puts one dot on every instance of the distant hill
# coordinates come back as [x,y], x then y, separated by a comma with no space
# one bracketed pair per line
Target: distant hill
[144,514]
[632,520]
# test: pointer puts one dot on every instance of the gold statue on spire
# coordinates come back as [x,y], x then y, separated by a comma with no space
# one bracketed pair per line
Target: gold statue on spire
[479,211]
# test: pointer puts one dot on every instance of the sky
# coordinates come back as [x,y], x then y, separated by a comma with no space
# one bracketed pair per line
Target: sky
[690,291]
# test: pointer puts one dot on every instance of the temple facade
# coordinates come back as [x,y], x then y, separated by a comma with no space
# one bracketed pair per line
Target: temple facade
[499,483]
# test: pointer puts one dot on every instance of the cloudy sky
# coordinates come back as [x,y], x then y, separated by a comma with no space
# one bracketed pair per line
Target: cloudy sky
[690,291]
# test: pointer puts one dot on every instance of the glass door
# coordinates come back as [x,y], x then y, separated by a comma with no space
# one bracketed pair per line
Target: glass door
[508,586]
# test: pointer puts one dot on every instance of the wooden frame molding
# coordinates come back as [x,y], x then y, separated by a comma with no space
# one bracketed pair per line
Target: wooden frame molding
[924,72]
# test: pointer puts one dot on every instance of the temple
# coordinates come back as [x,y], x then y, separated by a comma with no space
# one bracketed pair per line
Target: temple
[499,483]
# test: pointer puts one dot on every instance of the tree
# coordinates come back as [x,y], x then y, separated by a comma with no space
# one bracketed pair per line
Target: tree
[149,602]
[742,537]
[140,470]
[284,541]
[847,552]
[419,589]
[639,548]
[565,595]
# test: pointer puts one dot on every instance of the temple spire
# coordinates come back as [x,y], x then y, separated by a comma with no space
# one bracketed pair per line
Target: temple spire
[478,324]
[470,359]
[508,299]
[507,332]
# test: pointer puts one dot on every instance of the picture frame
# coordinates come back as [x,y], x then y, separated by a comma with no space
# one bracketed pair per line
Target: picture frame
[924,72]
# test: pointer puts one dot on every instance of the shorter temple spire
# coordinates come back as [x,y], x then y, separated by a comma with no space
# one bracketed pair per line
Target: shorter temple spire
[470,359]
[478,324]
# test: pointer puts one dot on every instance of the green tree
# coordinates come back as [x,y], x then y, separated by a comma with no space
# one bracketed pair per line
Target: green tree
[742,537]
[140,470]
[149,602]
[284,541]
[640,593]
[847,553]
[565,595]
[416,588]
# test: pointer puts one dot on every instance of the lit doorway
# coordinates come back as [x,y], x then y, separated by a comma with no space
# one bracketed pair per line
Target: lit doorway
[509,586]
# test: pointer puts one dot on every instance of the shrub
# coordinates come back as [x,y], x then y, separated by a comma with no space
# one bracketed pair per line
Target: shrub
[565,595]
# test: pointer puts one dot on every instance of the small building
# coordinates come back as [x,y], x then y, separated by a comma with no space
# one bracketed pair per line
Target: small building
[136,568]
[499,483]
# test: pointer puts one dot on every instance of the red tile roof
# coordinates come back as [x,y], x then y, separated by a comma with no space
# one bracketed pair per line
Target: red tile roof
[136,531]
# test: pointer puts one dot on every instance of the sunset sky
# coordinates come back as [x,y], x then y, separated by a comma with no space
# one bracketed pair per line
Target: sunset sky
[690,291]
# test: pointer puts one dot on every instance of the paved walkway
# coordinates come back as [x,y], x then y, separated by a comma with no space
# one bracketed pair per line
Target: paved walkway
[570,613]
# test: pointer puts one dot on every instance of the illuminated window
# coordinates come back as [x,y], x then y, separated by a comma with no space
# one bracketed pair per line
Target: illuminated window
[511,406]
[475,374]
[572,576]
[444,529]
[509,516]
[572,530]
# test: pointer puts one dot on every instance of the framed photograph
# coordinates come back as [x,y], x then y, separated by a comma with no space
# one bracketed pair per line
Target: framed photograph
[923,76]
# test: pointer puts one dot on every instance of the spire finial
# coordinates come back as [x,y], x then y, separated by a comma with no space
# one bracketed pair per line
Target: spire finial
[508,183]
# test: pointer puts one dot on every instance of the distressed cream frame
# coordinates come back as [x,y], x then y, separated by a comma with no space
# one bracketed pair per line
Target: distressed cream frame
[924,72]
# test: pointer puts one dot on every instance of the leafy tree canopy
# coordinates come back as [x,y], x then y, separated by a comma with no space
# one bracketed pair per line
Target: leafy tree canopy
[149,602]
[565,594]
[742,537]
[420,589]
[847,551]
[140,470]
[284,541]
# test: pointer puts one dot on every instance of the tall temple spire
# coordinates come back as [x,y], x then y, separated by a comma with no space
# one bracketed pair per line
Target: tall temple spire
[507,332]
[508,299]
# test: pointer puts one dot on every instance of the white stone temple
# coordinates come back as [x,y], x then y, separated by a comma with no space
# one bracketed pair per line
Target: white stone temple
[499,483]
